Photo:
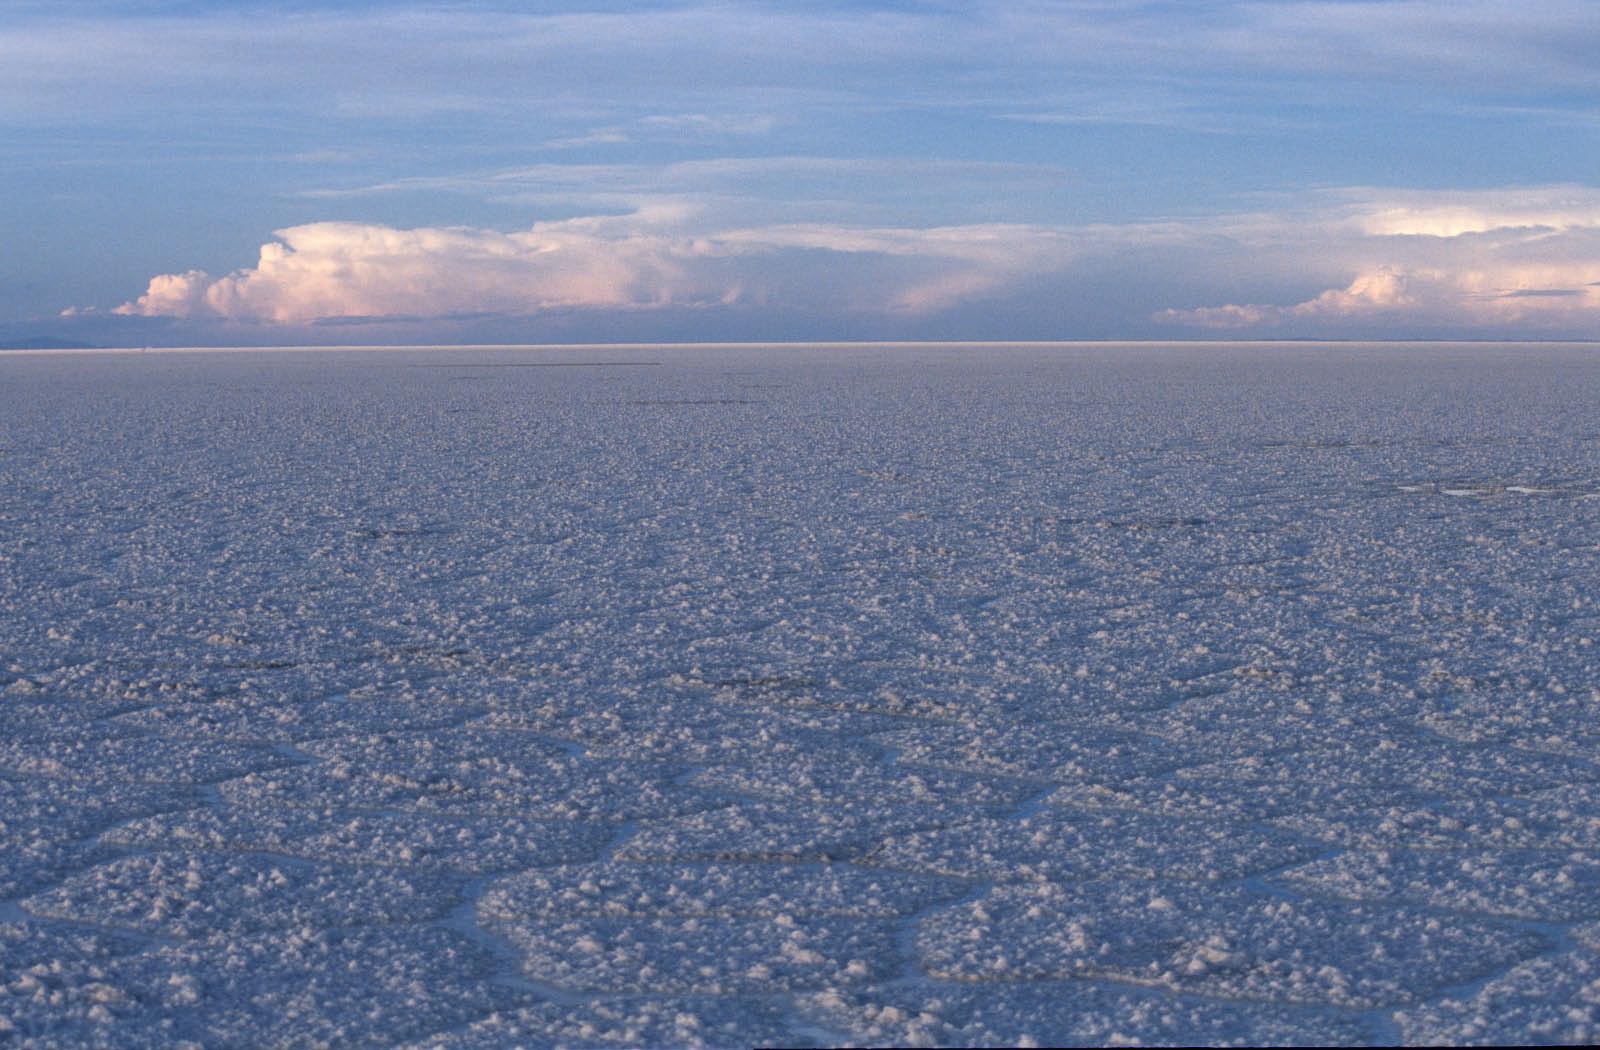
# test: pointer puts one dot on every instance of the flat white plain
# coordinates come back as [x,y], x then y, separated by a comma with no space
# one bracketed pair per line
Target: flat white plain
[671,696]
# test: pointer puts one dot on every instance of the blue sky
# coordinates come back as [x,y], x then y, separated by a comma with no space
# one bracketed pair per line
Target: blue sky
[238,173]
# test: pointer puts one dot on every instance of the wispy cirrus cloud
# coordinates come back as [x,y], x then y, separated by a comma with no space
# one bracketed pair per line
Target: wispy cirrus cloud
[418,57]
[705,174]
[730,191]
[677,127]
[1445,214]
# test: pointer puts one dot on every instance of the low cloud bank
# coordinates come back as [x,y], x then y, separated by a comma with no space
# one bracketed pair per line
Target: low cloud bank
[335,270]
[1526,258]
[1493,297]
[1405,261]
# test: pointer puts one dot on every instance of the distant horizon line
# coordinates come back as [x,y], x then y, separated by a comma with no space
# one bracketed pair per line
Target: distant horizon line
[794,344]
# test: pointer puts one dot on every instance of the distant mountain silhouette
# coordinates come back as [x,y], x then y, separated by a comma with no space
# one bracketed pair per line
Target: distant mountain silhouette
[45,342]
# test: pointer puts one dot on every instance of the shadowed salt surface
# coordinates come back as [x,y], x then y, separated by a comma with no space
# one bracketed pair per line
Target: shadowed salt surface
[793,696]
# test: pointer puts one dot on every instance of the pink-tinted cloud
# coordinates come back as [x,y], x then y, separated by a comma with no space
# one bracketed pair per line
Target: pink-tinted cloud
[1401,261]
[335,270]
[1378,292]
[1539,299]
[171,295]
[1524,257]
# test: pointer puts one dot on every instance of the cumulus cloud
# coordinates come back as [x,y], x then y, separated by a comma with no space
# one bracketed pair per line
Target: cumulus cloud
[1428,297]
[333,270]
[338,270]
[1524,257]
[171,295]
[1354,260]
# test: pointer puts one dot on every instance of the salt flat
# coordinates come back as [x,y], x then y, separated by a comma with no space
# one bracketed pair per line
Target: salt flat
[674,696]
